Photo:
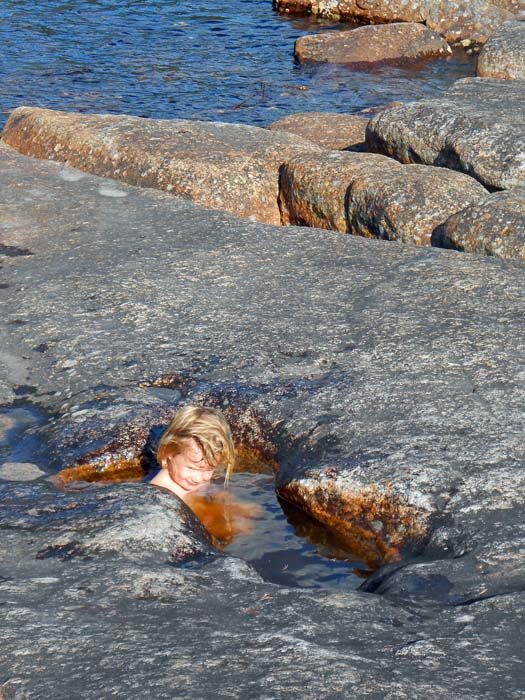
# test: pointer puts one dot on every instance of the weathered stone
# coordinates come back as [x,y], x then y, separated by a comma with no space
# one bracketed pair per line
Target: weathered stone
[356,10]
[326,129]
[384,376]
[372,44]
[494,226]
[476,127]
[514,6]
[454,20]
[372,196]
[407,204]
[503,56]
[314,191]
[230,167]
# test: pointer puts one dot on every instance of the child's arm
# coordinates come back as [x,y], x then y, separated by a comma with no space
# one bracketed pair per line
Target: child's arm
[224,516]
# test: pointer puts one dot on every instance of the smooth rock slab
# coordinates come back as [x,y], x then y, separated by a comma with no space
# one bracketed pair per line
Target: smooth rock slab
[503,56]
[372,196]
[230,167]
[355,10]
[494,226]
[372,44]
[476,126]
[327,129]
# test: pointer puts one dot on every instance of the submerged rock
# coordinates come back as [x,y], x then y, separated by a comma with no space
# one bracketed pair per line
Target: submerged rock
[476,126]
[327,129]
[372,44]
[372,196]
[503,56]
[230,167]
[494,226]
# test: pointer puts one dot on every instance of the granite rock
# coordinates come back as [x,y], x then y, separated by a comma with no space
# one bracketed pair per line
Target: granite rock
[390,372]
[327,129]
[494,226]
[373,196]
[455,20]
[503,56]
[230,167]
[475,126]
[372,44]
[355,10]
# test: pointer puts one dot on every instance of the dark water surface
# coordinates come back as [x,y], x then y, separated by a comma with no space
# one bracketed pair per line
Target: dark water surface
[230,61]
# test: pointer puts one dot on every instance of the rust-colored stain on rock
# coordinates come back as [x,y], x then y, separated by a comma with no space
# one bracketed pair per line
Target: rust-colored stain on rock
[374,522]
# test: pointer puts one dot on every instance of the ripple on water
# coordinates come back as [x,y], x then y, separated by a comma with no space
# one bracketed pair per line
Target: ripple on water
[230,61]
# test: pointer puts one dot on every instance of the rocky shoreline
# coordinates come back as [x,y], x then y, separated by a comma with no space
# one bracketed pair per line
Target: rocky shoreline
[383,383]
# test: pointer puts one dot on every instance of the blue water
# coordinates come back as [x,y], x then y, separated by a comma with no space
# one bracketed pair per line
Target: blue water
[223,60]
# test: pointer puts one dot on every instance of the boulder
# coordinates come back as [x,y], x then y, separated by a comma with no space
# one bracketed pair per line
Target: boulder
[493,226]
[230,167]
[355,10]
[373,196]
[476,126]
[503,56]
[407,204]
[326,129]
[456,20]
[314,191]
[372,44]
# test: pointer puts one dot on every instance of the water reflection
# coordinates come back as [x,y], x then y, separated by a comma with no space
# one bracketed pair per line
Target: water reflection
[207,60]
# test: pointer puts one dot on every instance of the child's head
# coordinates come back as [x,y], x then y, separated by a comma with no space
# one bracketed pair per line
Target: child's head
[201,433]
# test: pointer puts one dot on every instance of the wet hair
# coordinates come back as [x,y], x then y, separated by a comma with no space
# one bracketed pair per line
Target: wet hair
[210,430]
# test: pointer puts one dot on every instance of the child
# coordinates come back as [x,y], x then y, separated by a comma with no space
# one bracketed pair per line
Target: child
[196,442]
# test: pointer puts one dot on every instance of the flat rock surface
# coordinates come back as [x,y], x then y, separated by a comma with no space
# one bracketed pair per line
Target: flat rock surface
[372,44]
[387,370]
[494,226]
[503,56]
[373,196]
[476,126]
[326,129]
[230,167]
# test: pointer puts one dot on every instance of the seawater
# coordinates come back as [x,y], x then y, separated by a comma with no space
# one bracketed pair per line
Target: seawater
[223,61]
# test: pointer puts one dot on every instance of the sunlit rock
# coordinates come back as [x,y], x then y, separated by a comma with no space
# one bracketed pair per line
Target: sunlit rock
[503,56]
[476,126]
[372,44]
[231,167]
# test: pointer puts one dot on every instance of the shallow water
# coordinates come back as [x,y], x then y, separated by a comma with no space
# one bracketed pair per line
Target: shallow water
[230,61]
[288,547]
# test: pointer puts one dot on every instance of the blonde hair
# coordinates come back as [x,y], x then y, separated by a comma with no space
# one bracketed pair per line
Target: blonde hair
[209,428]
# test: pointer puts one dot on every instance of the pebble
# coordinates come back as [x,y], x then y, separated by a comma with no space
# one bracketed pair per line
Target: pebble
[20,471]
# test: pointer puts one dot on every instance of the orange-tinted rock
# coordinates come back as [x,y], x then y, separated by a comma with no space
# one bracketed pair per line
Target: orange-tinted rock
[355,10]
[503,56]
[375,523]
[326,129]
[230,167]
[314,189]
[371,196]
[464,19]
[372,44]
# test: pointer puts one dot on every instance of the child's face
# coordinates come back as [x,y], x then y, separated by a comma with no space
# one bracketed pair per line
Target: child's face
[189,469]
